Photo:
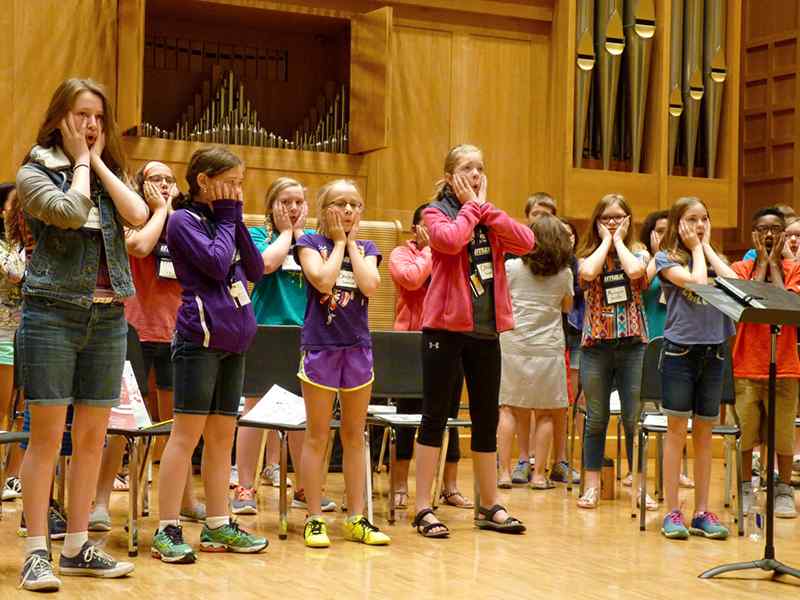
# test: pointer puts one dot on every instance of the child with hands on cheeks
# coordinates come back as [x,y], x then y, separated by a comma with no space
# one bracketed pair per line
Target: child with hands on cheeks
[337,354]
[691,362]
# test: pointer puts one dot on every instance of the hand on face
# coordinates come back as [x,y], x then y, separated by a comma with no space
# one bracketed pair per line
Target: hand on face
[688,234]
[706,240]
[482,190]
[423,239]
[222,190]
[300,221]
[603,231]
[353,234]
[462,188]
[622,230]
[655,241]
[778,245]
[153,196]
[335,228]
[281,218]
[99,144]
[73,138]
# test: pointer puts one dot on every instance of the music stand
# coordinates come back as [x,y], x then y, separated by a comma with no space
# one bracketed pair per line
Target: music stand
[757,302]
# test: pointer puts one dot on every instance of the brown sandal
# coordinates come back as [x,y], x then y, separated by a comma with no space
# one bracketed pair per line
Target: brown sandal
[452,499]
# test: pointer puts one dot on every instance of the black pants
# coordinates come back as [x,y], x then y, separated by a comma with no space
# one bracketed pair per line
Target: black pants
[444,355]
[405,435]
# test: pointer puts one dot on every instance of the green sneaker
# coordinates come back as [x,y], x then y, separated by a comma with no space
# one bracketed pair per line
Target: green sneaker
[358,529]
[674,527]
[168,545]
[230,538]
[707,524]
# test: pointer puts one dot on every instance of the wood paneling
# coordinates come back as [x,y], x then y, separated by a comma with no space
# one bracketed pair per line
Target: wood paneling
[7,84]
[129,107]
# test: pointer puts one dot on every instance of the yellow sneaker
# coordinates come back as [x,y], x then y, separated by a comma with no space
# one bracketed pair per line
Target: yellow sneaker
[316,533]
[358,529]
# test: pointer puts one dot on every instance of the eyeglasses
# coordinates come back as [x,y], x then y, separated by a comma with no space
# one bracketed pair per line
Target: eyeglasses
[616,219]
[794,234]
[774,229]
[169,179]
[356,207]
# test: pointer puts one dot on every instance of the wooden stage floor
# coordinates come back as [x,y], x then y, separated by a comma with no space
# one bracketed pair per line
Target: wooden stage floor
[566,553]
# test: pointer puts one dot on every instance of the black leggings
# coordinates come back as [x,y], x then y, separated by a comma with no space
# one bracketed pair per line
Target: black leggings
[444,355]
[405,435]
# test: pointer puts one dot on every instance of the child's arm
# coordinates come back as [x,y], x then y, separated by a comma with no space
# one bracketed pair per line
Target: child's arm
[450,237]
[591,266]
[681,276]
[251,258]
[721,268]
[365,268]
[516,238]
[632,265]
[771,262]
[651,270]
[408,271]
[322,274]
[275,253]
[566,303]
[140,242]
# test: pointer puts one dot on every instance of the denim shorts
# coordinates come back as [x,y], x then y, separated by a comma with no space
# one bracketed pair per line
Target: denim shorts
[71,354]
[207,381]
[691,379]
[346,369]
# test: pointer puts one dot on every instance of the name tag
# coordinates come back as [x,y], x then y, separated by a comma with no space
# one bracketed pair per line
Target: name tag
[239,294]
[616,287]
[485,270]
[346,280]
[93,220]
[290,264]
[166,269]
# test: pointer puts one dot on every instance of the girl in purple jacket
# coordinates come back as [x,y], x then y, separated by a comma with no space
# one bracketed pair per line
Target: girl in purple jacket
[214,258]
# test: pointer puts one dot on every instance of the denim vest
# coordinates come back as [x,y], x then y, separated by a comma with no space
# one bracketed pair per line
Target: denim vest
[65,262]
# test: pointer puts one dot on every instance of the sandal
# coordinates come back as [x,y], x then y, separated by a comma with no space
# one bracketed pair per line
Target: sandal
[486,521]
[121,483]
[456,498]
[590,498]
[504,483]
[649,502]
[401,499]
[547,484]
[429,529]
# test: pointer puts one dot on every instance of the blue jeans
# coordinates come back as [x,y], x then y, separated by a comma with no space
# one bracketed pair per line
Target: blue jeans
[71,354]
[691,379]
[604,365]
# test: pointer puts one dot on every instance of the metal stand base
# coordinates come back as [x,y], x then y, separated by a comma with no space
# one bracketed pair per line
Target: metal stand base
[765,564]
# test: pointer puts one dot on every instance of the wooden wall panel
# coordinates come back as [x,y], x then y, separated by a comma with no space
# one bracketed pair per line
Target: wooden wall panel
[48,47]
[7,131]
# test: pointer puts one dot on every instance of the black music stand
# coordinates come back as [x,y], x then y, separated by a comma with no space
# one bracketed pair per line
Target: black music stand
[757,302]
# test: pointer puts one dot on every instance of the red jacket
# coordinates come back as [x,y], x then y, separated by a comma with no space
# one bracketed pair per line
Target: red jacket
[448,304]
[410,269]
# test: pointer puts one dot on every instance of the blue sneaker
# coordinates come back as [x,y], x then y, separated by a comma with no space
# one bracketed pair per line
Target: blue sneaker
[674,527]
[707,524]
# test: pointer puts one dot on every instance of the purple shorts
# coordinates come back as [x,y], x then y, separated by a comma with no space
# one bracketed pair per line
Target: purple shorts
[346,369]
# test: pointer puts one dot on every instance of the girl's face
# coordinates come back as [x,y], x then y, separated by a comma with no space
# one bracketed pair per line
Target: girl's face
[612,217]
[292,199]
[696,217]
[769,228]
[234,177]
[346,202]
[660,228]
[161,176]
[793,237]
[88,112]
[470,165]
[537,210]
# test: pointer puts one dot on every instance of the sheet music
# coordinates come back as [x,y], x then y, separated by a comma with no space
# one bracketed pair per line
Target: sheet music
[278,405]
[131,414]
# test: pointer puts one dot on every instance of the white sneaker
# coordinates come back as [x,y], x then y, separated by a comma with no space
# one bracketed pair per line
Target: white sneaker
[272,475]
[785,507]
[12,489]
[234,480]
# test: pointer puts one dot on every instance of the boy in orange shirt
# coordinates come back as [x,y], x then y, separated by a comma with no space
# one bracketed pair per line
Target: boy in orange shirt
[751,354]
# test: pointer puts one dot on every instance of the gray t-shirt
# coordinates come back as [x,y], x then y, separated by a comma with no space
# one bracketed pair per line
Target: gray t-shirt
[690,319]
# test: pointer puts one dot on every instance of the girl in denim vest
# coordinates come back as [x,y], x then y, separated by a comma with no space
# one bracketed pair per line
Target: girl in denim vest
[72,336]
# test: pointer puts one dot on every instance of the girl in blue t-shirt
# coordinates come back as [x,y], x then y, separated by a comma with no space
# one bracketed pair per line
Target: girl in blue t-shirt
[692,358]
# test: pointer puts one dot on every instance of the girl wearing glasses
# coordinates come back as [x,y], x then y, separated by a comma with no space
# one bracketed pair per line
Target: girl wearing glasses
[614,331]
[692,359]
[342,272]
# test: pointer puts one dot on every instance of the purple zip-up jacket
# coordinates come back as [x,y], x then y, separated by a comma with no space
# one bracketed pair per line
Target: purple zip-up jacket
[208,314]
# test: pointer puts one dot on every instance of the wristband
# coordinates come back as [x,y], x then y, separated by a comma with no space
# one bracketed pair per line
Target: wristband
[80,165]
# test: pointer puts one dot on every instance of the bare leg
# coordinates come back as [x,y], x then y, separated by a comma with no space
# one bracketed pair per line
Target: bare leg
[531,432]
[701,438]
[175,463]
[505,438]
[673,454]
[216,468]
[6,396]
[785,467]
[524,420]
[296,450]
[248,444]
[319,406]
[543,437]
[483,464]
[559,434]
[112,459]
[354,416]
[400,475]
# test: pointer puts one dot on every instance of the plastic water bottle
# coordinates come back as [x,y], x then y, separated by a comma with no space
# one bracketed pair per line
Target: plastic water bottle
[755,520]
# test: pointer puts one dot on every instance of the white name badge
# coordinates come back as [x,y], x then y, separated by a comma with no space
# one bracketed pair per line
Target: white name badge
[166,269]
[290,264]
[93,220]
[239,294]
[617,294]
[485,270]
[346,280]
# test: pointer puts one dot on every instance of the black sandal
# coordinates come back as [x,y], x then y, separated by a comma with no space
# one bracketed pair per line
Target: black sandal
[426,529]
[486,521]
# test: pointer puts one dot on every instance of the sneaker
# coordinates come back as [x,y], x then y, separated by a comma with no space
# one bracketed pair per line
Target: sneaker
[358,529]
[315,533]
[747,498]
[91,561]
[168,545]
[230,538]
[244,501]
[100,520]
[627,481]
[12,489]
[299,501]
[561,472]
[685,482]
[56,523]
[784,501]
[234,480]
[272,475]
[707,525]
[37,573]
[522,472]
[674,526]
[195,514]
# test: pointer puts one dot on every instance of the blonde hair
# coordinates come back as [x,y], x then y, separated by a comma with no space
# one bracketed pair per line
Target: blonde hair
[323,199]
[450,162]
[278,186]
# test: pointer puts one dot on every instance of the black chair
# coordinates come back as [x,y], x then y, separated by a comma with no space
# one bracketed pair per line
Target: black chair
[397,363]
[273,358]
[656,423]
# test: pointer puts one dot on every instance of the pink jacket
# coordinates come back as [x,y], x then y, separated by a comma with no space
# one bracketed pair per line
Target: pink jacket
[410,269]
[448,304]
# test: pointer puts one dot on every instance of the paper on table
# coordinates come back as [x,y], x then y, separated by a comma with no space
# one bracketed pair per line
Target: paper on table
[131,414]
[278,406]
